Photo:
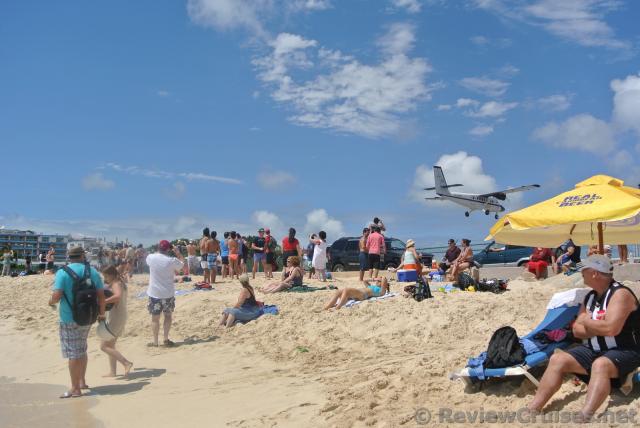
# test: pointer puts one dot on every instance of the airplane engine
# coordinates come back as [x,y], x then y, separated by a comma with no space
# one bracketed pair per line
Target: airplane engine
[500,196]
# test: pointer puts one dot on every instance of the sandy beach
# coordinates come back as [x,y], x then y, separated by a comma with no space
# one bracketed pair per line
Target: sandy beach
[374,364]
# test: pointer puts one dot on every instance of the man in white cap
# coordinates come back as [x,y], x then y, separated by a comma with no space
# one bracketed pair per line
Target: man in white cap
[609,325]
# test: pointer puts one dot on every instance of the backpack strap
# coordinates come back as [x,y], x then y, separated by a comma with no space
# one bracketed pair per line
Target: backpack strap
[74,277]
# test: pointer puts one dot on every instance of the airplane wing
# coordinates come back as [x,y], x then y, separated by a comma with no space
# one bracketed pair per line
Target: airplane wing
[502,194]
[447,186]
[437,198]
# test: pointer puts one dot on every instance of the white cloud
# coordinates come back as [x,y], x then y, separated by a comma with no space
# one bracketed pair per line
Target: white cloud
[578,21]
[466,102]
[267,219]
[479,40]
[492,109]
[554,103]
[458,168]
[308,5]
[176,191]
[154,173]
[485,86]
[412,6]
[346,95]
[485,42]
[319,219]
[481,131]
[163,93]
[97,181]
[444,107]
[581,132]
[508,70]
[275,180]
[229,14]
[626,103]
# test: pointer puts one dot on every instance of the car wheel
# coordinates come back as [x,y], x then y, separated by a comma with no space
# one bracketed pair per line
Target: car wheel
[522,263]
[338,267]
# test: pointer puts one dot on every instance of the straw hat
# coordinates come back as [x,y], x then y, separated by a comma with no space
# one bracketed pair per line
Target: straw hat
[411,243]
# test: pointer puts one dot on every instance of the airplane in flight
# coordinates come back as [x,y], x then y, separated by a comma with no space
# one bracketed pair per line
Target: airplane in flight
[486,202]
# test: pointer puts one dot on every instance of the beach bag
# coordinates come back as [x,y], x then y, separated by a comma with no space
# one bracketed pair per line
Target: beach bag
[84,307]
[493,285]
[421,290]
[504,349]
[465,281]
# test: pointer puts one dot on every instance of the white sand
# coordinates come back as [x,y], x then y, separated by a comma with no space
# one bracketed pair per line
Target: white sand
[371,365]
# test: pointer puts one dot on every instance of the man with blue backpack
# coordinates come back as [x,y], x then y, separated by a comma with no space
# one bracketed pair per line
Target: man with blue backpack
[79,289]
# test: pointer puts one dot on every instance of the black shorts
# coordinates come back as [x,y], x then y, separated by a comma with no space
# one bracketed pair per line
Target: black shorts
[225,260]
[49,265]
[374,261]
[625,360]
[270,258]
[287,254]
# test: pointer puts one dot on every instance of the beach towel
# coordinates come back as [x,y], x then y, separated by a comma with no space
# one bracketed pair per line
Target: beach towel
[573,297]
[270,310]
[308,289]
[352,302]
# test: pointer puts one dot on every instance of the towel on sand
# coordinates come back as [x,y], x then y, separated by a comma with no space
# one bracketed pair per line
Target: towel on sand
[307,289]
[352,302]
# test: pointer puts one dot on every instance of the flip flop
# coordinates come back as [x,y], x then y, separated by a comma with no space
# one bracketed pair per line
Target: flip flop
[168,343]
[85,387]
[68,394]
[152,345]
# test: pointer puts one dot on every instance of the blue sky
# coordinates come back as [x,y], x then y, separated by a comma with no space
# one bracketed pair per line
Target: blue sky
[151,120]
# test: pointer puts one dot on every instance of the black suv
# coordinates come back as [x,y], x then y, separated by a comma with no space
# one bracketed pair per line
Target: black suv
[343,254]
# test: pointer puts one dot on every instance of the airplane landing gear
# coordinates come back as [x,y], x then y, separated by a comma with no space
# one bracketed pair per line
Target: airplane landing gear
[486,212]
[497,216]
[466,214]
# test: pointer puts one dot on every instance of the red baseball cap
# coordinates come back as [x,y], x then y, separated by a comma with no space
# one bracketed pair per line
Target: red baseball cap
[267,230]
[164,245]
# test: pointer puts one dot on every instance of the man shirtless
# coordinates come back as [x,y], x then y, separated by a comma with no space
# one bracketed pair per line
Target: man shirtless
[213,249]
[203,254]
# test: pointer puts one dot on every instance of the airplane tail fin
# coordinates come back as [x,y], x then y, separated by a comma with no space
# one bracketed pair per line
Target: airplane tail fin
[441,184]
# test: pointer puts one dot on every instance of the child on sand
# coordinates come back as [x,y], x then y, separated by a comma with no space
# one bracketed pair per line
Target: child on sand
[116,319]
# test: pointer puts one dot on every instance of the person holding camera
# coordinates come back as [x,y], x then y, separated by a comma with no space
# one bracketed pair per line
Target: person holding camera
[163,266]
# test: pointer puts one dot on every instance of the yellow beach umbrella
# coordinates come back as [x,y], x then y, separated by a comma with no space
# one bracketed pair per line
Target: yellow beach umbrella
[599,210]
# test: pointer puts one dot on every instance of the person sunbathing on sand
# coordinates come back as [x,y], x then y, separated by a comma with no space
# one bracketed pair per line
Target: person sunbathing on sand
[373,287]
[292,277]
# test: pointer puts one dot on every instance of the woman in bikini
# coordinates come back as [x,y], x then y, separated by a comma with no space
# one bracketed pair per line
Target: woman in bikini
[374,287]
[293,275]
[463,261]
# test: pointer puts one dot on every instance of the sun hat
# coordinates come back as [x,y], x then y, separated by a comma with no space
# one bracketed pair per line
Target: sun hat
[103,331]
[411,243]
[75,252]
[598,262]
[164,245]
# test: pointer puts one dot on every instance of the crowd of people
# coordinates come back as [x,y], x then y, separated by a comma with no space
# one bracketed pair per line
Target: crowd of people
[598,366]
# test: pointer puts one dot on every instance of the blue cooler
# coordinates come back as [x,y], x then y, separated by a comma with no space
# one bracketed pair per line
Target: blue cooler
[410,275]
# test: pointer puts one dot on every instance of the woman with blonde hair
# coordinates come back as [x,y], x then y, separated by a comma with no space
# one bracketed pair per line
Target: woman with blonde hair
[293,275]
[245,309]
[113,327]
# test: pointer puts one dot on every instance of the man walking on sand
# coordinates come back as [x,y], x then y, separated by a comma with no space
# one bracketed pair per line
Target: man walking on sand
[73,337]
[161,290]
[258,253]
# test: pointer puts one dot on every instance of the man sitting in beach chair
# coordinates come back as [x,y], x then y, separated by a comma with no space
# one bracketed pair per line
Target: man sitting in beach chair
[374,287]
[609,324]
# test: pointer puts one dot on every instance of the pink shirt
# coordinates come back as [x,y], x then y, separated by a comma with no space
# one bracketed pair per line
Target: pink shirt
[375,243]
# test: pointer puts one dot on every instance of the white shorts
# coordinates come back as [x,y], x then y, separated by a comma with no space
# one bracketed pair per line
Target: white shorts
[204,264]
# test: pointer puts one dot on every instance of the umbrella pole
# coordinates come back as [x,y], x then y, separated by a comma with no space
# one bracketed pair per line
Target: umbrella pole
[600,238]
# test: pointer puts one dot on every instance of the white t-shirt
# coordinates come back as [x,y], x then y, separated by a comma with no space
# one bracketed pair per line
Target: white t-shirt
[162,270]
[320,256]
